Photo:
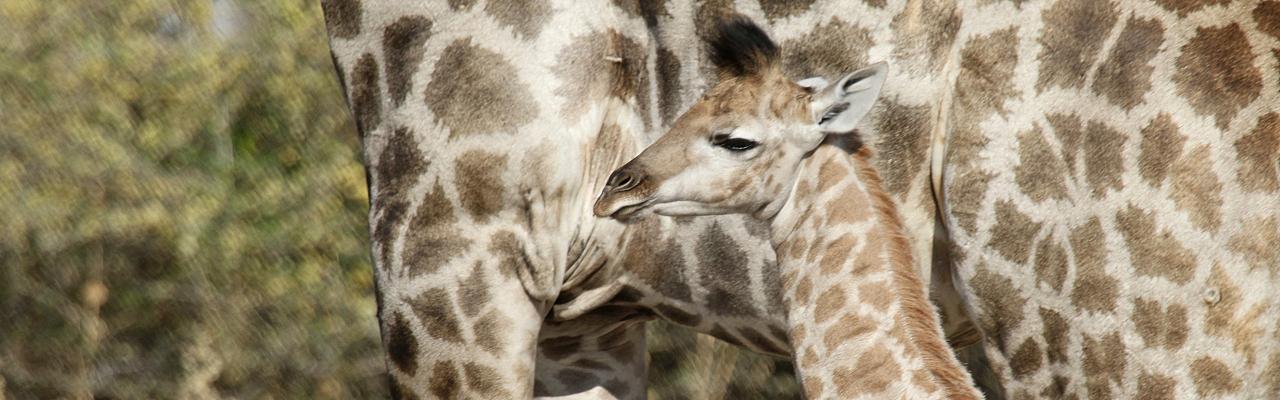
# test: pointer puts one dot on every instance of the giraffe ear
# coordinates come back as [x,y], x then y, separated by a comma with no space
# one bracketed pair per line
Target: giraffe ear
[838,108]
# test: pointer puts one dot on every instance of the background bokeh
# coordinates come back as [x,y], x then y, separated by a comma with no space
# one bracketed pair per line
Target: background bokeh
[184,213]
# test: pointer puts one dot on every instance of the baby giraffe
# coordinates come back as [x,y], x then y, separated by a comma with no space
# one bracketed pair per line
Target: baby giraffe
[782,151]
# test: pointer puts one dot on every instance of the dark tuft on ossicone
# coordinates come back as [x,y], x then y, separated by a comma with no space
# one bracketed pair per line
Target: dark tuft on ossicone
[740,48]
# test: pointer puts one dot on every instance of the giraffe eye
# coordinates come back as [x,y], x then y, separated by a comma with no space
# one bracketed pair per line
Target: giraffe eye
[733,144]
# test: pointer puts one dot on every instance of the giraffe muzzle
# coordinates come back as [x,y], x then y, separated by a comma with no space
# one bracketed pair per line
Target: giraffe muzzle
[621,197]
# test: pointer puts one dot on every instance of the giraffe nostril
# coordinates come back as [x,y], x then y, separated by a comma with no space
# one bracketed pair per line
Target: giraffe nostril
[622,180]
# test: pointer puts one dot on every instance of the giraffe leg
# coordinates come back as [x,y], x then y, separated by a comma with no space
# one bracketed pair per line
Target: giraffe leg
[608,363]
[462,324]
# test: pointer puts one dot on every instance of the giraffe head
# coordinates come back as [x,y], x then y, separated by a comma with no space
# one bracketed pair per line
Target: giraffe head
[737,150]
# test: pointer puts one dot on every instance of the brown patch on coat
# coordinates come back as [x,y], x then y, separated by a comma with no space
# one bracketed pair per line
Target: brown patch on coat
[656,262]
[1012,233]
[1102,158]
[1267,16]
[1055,330]
[1070,132]
[804,289]
[874,371]
[1184,7]
[668,74]
[1196,189]
[402,48]
[813,388]
[877,294]
[842,210]
[478,179]
[435,312]
[1215,73]
[837,254]
[433,240]
[1125,76]
[1000,302]
[905,136]
[1072,37]
[477,91]
[965,194]
[366,95]
[722,270]
[1026,359]
[445,383]
[849,327]
[510,255]
[484,381]
[924,381]
[1259,169]
[488,332]
[829,303]
[526,17]
[1156,387]
[402,346]
[1273,371]
[1051,263]
[473,292]
[1094,290]
[1160,327]
[1161,146]
[778,9]
[1040,171]
[1104,363]
[1256,243]
[342,17]
[831,50]
[398,167]
[1153,252]
[1213,378]
[647,9]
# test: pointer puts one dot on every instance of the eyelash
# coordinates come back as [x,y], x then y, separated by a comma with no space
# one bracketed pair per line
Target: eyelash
[733,144]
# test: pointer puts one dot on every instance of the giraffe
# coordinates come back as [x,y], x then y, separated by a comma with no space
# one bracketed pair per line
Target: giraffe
[1110,191]
[740,149]
[1094,179]
[486,137]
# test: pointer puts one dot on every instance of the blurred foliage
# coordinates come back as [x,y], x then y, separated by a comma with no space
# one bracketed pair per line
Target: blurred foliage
[186,213]
[185,208]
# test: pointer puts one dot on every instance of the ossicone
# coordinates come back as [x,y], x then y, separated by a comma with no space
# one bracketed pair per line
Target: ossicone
[738,47]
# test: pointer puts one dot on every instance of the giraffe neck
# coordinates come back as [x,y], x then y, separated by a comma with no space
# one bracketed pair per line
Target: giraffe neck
[877,333]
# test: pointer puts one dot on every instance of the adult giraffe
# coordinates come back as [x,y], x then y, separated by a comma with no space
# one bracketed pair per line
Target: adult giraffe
[490,266]
[1133,143]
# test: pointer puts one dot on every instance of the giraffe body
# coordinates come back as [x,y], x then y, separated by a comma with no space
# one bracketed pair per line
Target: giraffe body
[1110,169]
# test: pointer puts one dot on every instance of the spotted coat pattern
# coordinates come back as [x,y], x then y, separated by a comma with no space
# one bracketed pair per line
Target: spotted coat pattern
[1109,188]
